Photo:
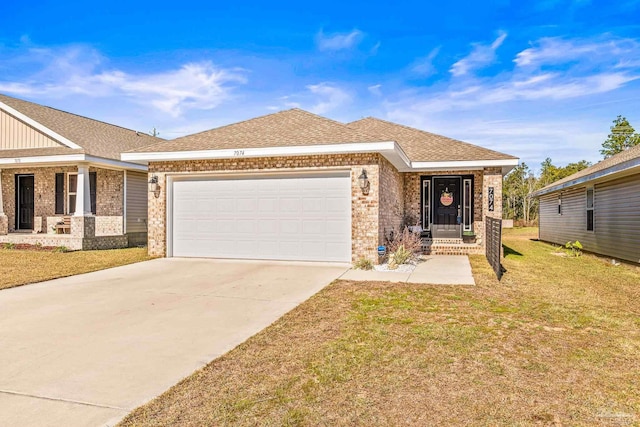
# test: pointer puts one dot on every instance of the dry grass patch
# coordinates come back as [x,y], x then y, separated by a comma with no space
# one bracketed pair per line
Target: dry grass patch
[21,267]
[556,342]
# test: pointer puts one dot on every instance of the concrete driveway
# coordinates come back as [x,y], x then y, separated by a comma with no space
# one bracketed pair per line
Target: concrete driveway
[85,350]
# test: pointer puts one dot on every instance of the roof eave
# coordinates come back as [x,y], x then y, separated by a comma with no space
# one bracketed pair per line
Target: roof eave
[391,150]
[504,164]
[62,159]
[601,175]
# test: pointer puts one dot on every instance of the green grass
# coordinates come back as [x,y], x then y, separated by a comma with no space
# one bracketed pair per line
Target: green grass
[21,267]
[556,342]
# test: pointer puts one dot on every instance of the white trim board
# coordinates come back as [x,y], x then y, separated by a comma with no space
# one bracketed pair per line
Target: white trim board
[26,119]
[70,159]
[389,149]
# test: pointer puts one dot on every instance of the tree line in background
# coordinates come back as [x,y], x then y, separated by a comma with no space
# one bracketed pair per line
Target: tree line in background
[517,203]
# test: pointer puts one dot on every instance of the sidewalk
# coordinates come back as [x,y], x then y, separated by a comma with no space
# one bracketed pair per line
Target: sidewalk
[435,270]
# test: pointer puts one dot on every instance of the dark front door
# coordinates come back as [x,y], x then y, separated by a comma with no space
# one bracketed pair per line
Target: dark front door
[447,206]
[24,205]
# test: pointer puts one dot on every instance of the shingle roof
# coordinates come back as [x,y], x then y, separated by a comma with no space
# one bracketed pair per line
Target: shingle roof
[95,137]
[612,162]
[422,146]
[293,127]
[297,127]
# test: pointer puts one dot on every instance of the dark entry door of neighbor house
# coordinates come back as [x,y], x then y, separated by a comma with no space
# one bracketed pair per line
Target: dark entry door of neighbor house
[446,208]
[25,202]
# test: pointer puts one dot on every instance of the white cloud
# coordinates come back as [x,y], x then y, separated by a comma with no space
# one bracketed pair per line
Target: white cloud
[375,89]
[65,71]
[424,66]
[193,86]
[339,41]
[329,97]
[481,56]
[558,51]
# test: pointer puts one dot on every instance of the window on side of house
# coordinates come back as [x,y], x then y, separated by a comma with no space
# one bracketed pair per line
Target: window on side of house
[590,196]
[466,211]
[559,204]
[72,185]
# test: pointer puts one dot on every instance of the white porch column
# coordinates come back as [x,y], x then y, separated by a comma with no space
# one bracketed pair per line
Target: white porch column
[83,192]
[1,204]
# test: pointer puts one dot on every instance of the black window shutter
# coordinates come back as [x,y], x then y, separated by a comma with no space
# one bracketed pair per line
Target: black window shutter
[93,180]
[59,194]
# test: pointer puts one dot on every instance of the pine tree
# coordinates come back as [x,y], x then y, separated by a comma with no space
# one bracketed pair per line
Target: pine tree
[622,137]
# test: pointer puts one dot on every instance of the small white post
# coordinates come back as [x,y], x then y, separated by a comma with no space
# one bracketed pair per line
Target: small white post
[83,192]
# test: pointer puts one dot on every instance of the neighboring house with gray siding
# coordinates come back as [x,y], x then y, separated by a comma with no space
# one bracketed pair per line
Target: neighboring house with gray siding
[57,166]
[599,206]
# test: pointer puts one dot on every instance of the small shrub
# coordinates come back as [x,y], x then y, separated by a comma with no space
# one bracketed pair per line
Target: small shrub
[61,249]
[402,255]
[574,249]
[8,245]
[363,264]
[403,246]
[38,245]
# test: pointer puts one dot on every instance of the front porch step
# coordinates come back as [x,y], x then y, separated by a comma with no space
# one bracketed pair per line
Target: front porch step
[450,247]
[450,241]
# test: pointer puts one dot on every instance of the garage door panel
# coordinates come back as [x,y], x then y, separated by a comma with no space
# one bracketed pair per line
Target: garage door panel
[288,218]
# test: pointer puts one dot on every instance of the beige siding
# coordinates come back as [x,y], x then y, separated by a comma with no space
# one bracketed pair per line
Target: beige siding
[136,216]
[616,219]
[15,134]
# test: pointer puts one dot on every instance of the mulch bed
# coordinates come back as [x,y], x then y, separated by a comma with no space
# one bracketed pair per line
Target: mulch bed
[28,247]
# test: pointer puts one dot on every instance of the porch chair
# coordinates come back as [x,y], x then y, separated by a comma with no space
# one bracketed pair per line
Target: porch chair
[64,225]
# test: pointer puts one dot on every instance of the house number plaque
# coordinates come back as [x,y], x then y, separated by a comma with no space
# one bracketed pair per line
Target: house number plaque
[491,196]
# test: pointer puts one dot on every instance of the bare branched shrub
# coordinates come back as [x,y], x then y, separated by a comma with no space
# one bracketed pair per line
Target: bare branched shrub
[404,245]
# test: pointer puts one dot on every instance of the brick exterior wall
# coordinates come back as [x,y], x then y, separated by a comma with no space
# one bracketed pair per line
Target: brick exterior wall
[482,180]
[110,193]
[364,208]
[109,225]
[392,200]
[68,241]
[109,197]
[393,196]
[4,224]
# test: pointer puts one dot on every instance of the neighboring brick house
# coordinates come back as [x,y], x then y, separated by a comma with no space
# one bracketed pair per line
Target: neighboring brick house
[296,186]
[56,165]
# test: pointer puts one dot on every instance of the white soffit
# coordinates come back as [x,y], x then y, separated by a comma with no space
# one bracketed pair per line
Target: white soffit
[70,159]
[391,150]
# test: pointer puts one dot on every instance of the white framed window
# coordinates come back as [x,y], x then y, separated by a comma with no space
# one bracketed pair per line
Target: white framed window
[72,185]
[467,196]
[426,204]
[590,204]
[559,204]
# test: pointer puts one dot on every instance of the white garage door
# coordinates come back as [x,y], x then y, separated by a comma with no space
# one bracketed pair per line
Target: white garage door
[281,217]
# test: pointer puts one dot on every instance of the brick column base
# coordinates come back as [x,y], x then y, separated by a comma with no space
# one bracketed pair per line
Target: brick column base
[4,224]
[83,226]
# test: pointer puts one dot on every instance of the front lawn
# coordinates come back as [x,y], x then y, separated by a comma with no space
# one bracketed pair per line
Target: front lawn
[556,342]
[21,267]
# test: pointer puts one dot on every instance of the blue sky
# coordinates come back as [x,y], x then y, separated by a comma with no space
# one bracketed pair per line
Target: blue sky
[533,79]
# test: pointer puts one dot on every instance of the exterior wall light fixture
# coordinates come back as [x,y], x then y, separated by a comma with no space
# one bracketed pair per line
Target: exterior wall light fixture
[154,186]
[364,182]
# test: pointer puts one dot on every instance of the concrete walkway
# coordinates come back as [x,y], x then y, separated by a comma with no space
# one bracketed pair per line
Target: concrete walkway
[86,350]
[434,270]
